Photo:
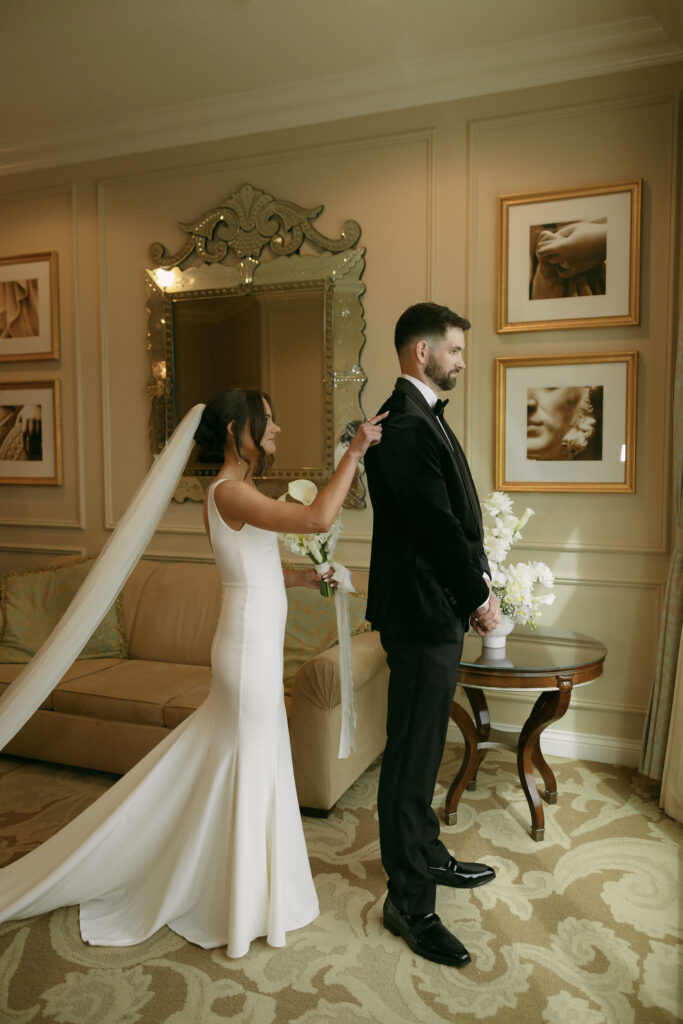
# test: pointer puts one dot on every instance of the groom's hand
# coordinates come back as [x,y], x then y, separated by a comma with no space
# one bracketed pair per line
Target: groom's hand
[484,621]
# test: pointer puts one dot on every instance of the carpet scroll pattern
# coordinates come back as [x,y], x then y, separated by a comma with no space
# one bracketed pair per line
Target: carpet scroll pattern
[583,928]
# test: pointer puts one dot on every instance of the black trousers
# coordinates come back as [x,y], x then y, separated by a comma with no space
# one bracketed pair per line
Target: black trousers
[422,683]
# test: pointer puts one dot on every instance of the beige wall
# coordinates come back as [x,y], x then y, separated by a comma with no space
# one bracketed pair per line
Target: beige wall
[423,184]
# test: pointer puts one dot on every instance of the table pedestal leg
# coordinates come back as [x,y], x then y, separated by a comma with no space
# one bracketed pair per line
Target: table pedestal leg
[469,766]
[549,708]
[482,721]
[547,774]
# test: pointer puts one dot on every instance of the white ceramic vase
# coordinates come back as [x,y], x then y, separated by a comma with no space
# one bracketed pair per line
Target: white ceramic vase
[497,637]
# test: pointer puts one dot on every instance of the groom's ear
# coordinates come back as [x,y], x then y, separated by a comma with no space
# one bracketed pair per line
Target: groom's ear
[422,350]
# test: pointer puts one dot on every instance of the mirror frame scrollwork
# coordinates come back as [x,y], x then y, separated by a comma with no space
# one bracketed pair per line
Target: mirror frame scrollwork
[237,232]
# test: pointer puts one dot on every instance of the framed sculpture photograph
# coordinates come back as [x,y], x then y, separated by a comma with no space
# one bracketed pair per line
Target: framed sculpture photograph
[30,432]
[29,307]
[566,423]
[570,258]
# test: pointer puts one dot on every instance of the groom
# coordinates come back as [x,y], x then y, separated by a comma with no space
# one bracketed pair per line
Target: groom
[428,576]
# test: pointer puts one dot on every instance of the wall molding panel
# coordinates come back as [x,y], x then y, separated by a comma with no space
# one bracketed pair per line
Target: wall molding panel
[42,549]
[619,549]
[634,583]
[67,368]
[173,556]
[48,524]
[250,160]
[79,440]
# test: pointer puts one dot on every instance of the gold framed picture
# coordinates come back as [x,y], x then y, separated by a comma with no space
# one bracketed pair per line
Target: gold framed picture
[569,259]
[30,432]
[566,423]
[29,307]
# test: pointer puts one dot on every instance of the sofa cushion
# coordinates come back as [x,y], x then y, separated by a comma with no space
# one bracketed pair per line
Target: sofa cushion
[176,613]
[132,591]
[180,707]
[8,673]
[131,691]
[33,603]
[312,625]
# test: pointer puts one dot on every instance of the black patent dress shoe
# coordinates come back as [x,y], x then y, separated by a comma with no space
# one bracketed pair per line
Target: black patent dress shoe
[460,875]
[426,936]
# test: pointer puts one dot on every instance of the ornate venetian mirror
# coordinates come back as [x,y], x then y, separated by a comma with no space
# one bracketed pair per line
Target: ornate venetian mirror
[290,324]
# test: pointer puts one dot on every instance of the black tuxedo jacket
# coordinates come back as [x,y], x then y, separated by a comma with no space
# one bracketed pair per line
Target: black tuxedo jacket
[427,561]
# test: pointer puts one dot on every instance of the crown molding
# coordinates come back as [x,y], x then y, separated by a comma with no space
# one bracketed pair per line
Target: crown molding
[617,46]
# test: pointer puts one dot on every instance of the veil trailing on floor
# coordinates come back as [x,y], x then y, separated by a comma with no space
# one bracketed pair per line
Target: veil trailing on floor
[118,558]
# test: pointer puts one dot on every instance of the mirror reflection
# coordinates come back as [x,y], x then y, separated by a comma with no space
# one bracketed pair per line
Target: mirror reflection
[273,341]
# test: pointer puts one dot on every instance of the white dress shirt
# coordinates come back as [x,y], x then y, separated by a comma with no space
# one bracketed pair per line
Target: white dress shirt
[430,398]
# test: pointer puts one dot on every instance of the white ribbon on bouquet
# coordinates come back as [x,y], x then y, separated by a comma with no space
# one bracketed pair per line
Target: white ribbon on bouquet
[342,577]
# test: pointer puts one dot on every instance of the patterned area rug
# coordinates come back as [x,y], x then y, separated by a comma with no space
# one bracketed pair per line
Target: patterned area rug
[583,928]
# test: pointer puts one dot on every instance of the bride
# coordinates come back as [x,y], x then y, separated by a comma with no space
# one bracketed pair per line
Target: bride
[204,834]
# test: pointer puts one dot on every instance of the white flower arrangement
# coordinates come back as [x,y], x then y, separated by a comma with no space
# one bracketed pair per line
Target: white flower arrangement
[514,584]
[319,547]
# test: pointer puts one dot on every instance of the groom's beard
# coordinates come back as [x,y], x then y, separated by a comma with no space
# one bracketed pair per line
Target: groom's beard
[444,379]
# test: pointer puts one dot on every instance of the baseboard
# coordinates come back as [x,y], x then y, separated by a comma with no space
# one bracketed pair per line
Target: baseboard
[589,747]
[580,746]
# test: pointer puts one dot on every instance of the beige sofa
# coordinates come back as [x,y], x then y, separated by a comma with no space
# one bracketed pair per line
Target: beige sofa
[107,713]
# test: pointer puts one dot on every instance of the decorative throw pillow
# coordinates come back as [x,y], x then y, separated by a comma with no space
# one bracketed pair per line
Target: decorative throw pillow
[312,625]
[33,603]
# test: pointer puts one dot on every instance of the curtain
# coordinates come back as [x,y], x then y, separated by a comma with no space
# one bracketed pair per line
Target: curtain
[663,736]
[672,781]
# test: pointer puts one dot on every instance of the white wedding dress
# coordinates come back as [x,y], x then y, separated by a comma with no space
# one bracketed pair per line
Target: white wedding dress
[204,834]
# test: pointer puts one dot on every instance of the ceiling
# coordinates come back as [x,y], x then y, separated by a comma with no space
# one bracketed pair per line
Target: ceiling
[84,79]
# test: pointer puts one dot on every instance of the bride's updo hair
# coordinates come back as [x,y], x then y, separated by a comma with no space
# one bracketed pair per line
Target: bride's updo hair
[241,407]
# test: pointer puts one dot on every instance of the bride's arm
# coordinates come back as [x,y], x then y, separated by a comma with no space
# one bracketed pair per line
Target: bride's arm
[238,502]
[306,578]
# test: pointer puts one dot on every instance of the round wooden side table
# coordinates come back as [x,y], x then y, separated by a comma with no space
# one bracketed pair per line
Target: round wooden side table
[550,660]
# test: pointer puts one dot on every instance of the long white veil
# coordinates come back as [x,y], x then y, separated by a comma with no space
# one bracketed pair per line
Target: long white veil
[118,558]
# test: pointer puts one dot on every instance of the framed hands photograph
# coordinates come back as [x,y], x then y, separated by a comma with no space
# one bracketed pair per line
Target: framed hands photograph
[30,432]
[570,258]
[566,423]
[29,307]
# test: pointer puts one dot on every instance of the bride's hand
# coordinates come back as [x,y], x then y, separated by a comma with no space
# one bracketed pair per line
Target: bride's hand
[368,434]
[309,578]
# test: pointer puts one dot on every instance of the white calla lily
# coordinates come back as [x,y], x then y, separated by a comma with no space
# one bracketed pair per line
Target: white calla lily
[524,519]
[314,549]
[303,491]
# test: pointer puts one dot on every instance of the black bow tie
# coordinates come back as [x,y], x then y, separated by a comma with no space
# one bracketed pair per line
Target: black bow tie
[439,407]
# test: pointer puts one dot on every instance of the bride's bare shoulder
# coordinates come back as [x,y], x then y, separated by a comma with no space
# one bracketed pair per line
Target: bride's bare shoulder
[232,502]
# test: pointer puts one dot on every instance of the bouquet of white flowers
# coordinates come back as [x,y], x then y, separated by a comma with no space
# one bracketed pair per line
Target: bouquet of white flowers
[319,547]
[514,584]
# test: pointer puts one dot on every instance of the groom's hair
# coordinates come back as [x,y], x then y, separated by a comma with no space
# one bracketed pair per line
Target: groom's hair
[426,320]
[241,407]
